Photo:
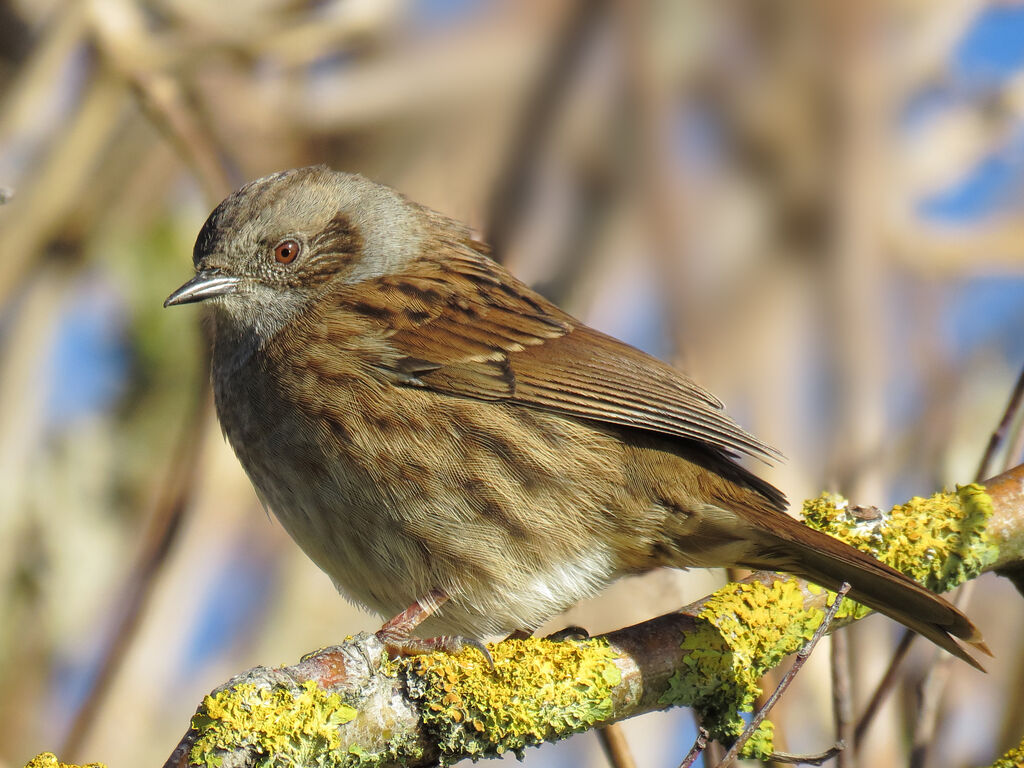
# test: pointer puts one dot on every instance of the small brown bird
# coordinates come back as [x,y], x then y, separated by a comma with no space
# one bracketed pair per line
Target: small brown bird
[440,439]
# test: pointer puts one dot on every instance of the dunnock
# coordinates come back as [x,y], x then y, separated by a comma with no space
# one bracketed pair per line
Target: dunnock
[440,439]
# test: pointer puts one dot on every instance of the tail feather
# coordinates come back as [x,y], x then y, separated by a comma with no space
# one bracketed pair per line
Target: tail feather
[826,561]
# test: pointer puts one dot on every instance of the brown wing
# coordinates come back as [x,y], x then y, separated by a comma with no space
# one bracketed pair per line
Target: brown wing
[462,325]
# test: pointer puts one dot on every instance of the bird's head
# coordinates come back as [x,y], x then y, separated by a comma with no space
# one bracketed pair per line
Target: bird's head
[276,244]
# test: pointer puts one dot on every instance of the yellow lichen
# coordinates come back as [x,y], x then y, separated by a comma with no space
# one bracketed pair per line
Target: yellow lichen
[278,725]
[742,631]
[745,629]
[1012,759]
[542,691]
[49,760]
[538,691]
[939,542]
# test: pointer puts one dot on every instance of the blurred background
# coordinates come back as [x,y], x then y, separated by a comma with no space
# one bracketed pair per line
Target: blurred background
[814,208]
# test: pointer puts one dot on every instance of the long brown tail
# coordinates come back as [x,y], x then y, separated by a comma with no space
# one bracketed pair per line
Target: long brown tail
[793,547]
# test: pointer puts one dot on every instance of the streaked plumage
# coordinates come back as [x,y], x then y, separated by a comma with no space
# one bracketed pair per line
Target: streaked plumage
[418,419]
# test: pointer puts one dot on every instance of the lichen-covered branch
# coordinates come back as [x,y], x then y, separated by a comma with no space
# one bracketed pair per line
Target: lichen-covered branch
[350,706]
[49,760]
[1014,758]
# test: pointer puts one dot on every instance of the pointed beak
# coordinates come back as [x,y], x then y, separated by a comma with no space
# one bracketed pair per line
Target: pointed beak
[205,285]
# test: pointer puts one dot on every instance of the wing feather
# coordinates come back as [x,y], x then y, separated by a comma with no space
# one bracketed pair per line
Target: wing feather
[462,325]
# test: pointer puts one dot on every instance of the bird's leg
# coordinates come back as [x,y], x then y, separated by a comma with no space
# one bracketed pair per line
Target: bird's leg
[396,634]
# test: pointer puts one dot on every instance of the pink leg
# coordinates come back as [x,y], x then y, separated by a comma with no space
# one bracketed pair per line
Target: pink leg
[396,634]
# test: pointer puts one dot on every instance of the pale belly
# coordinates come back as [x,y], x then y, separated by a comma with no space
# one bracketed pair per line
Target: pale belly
[500,517]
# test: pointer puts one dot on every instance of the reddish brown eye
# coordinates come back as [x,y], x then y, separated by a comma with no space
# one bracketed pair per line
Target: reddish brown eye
[286,251]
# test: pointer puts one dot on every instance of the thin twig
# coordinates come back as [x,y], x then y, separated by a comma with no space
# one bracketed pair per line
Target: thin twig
[801,658]
[929,700]
[930,691]
[842,698]
[884,687]
[768,682]
[932,688]
[698,746]
[999,434]
[1016,444]
[175,494]
[823,757]
[888,682]
[714,751]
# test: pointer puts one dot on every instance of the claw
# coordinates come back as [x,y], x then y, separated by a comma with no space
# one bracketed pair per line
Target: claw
[520,634]
[571,632]
[474,643]
[396,634]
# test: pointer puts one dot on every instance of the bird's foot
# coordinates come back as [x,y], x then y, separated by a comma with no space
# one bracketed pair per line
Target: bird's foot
[572,632]
[396,634]
[519,634]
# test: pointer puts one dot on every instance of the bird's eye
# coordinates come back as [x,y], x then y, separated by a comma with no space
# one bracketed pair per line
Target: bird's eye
[286,251]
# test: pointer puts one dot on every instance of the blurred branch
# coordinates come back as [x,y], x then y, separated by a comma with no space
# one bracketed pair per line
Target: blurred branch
[951,252]
[1015,446]
[22,402]
[25,100]
[511,191]
[936,30]
[842,699]
[928,708]
[855,270]
[334,28]
[163,525]
[417,711]
[120,34]
[884,687]
[59,180]
[650,102]
[616,746]
[932,689]
[928,693]
[380,90]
